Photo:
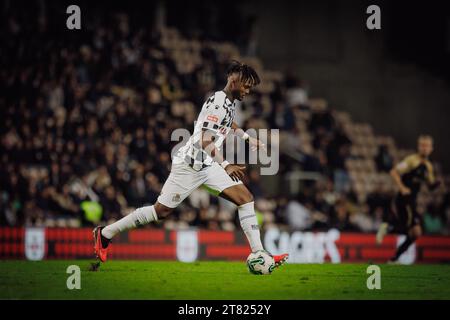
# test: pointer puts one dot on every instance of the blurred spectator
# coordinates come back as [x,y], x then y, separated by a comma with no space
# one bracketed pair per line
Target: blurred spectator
[296,94]
[298,216]
[379,202]
[282,117]
[383,159]
[340,216]
[322,119]
[338,150]
[254,184]
[433,223]
[112,210]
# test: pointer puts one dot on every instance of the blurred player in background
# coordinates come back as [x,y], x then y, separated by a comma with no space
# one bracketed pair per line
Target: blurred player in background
[409,175]
[200,162]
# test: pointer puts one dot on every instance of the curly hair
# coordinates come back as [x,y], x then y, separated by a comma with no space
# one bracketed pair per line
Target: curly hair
[246,72]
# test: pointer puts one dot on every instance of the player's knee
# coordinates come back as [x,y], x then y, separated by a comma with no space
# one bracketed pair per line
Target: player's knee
[249,198]
[244,197]
[162,211]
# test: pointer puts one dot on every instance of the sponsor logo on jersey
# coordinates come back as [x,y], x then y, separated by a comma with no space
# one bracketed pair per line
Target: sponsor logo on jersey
[212,118]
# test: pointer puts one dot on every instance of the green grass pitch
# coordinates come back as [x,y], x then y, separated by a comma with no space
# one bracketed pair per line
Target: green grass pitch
[219,280]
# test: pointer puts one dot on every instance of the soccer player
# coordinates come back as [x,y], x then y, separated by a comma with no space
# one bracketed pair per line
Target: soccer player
[199,162]
[409,175]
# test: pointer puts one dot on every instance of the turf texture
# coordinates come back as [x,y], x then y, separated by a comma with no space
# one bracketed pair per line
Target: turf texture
[219,280]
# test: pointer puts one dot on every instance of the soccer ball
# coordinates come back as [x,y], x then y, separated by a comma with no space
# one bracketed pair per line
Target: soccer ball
[260,262]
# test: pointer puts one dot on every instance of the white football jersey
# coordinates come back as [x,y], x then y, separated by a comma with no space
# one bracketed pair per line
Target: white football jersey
[217,115]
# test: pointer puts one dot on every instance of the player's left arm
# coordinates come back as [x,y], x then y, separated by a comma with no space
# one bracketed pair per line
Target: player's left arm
[253,142]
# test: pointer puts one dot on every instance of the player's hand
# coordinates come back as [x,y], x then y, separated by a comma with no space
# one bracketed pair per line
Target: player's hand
[235,172]
[405,191]
[256,144]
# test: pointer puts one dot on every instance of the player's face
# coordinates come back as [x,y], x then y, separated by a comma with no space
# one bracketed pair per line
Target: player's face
[240,88]
[245,90]
[425,147]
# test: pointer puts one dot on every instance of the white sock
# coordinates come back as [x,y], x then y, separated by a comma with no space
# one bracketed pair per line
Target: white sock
[138,217]
[249,224]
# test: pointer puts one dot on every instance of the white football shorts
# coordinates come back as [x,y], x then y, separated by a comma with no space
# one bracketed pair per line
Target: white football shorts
[183,180]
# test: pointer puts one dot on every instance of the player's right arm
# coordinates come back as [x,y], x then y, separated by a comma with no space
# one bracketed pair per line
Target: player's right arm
[397,172]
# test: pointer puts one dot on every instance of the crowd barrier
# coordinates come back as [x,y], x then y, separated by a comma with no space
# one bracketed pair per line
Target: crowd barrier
[196,244]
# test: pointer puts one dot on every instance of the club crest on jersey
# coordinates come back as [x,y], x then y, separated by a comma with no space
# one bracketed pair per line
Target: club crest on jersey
[212,118]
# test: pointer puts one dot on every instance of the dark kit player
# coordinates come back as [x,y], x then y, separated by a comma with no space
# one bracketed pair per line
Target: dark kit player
[409,175]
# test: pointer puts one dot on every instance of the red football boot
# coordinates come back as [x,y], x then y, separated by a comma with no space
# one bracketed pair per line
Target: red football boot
[99,250]
[280,259]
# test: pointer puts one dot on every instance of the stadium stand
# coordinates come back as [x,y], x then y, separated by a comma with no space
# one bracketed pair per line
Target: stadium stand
[86,135]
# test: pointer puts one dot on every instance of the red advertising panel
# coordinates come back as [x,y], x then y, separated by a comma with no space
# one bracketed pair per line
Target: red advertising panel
[189,245]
